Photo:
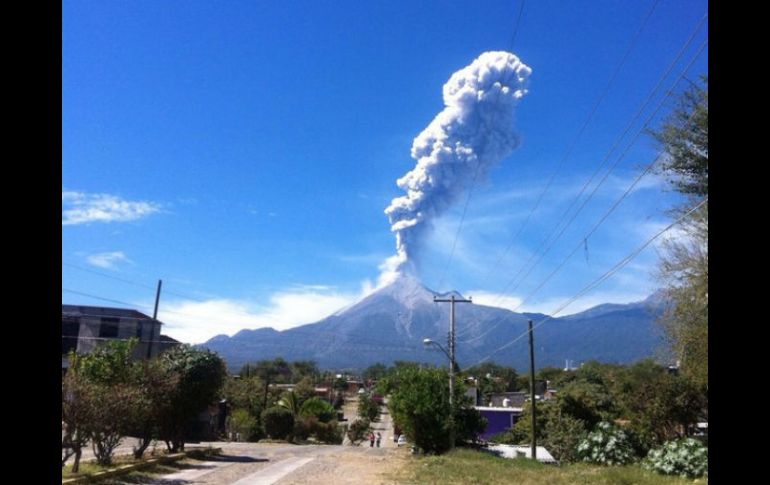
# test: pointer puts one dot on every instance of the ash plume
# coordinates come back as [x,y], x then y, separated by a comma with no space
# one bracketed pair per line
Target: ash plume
[473,132]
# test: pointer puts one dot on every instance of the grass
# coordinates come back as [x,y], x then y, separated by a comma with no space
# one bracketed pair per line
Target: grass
[90,467]
[469,467]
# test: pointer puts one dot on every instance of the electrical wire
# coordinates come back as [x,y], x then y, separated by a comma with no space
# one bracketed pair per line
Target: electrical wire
[605,276]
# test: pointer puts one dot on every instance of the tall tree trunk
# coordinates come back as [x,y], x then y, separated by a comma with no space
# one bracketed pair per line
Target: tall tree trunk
[76,465]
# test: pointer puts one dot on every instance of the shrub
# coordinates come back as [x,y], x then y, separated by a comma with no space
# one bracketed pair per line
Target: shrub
[304,426]
[328,432]
[242,423]
[687,458]
[358,429]
[606,445]
[278,422]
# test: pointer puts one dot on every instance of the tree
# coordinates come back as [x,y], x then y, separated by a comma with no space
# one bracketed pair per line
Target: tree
[368,407]
[684,269]
[683,137]
[290,400]
[419,405]
[77,411]
[660,406]
[319,408]
[278,422]
[557,430]
[374,372]
[270,371]
[116,403]
[153,385]
[199,375]
[493,378]
[303,369]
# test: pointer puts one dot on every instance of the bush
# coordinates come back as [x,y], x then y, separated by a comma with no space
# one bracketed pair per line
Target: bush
[278,423]
[687,458]
[328,433]
[606,445]
[358,429]
[242,423]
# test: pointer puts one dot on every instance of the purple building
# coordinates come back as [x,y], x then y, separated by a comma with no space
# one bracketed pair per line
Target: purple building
[499,419]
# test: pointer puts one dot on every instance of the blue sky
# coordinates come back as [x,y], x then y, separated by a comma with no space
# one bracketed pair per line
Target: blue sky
[244,152]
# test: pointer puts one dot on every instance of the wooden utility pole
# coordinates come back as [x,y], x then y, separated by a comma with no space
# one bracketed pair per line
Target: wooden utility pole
[154,320]
[452,302]
[532,392]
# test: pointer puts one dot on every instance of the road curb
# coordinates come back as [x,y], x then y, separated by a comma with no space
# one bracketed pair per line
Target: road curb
[138,466]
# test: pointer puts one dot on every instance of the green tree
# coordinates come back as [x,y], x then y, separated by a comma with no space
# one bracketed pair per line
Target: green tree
[269,371]
[557,431]
[367,407]
[77,413]
[117,403]
[241,422]
[660,406]
[493,378]
[278,423]
[419,405]
[290,400]
[374,372]
[305,388]
[303,369]
[199,375]
[319,408]
[683,137]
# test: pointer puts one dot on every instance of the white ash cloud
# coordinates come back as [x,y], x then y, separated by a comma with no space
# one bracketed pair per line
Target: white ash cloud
[473,132]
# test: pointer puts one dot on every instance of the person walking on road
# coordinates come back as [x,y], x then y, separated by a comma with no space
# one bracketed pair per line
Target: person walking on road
[371,440]
[379,437]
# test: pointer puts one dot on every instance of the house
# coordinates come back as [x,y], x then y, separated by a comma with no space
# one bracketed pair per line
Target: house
[499,419]
[83,328]
[508,399]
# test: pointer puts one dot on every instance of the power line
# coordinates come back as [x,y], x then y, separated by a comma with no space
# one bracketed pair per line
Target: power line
[583,241]
[81,268]
[100,298]
[574,141]
[516,27]
[615,205]
[599,280]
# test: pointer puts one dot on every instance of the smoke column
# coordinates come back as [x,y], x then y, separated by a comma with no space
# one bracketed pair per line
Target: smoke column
[473,132]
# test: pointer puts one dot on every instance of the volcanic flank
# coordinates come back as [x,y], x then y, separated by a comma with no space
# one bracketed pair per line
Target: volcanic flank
[390,324]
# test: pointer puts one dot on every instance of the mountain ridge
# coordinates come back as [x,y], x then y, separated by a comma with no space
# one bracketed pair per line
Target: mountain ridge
[390,323]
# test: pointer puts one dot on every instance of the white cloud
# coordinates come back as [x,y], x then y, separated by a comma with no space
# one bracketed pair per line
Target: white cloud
[107,260]
[82,208]
[198,321]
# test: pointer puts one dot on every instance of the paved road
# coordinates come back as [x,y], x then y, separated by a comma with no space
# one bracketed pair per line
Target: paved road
[280,464]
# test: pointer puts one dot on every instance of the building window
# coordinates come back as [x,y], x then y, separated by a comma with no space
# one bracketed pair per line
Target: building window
[70,328]
[109,327]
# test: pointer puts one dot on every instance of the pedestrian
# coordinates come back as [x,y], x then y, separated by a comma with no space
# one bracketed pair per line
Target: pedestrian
[371,440]
[379,437]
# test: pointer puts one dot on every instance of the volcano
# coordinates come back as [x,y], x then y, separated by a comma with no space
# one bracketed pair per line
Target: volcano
[391,323]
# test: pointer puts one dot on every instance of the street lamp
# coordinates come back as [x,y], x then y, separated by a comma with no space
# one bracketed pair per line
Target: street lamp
[428,341]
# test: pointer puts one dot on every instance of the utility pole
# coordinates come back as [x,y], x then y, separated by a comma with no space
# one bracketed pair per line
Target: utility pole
[154,320]
[452,302]
[532,392]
